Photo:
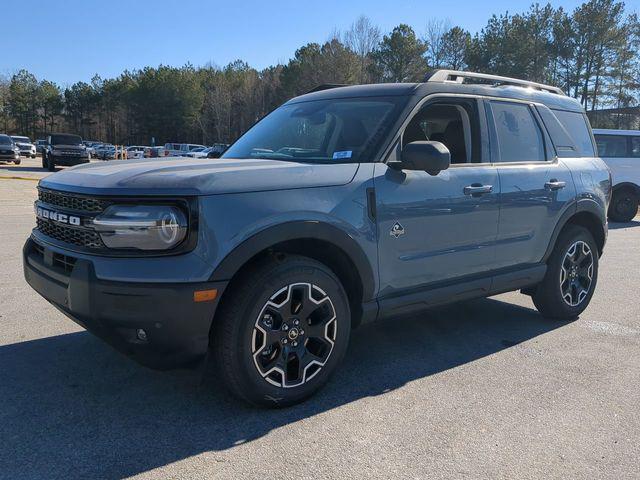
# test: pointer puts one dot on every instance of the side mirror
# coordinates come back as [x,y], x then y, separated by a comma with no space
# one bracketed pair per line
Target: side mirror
[431,157]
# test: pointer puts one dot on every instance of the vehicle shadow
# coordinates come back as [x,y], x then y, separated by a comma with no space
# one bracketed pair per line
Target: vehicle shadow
[631,224]
[16,168]
[70,407]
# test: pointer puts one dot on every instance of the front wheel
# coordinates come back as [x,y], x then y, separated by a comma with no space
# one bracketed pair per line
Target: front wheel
[17,162]
[51,165]
[282,331]
[624,205]
[571,277]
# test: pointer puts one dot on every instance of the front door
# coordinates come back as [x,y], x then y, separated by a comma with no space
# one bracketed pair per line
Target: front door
[440,228]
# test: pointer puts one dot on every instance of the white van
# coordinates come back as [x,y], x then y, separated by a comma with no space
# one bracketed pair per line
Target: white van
[180,149]
[620,149]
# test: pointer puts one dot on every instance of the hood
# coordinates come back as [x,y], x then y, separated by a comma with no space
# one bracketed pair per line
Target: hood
[194,176]
[25,144]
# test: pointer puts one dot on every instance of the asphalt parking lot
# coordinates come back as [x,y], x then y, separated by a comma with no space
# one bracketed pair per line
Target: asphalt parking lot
[482,389]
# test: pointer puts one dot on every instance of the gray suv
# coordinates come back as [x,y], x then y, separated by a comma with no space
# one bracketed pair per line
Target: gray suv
[343,206]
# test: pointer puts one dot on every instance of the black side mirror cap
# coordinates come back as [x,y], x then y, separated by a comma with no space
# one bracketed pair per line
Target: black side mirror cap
[431,157]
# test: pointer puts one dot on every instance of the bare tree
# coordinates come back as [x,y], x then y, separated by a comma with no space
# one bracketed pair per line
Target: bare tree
[435,32]
[362,38]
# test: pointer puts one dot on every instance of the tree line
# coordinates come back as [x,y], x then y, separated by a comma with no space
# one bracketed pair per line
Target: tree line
[592,53]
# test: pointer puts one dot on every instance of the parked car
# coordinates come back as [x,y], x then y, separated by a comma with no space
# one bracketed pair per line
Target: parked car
[40,144]
[135,151]
[63,149]
[105,152]
[620,149]
[180,149]
[9,151]
[27,148]
[154,152]
[198,153]
[217,150]
[343,206]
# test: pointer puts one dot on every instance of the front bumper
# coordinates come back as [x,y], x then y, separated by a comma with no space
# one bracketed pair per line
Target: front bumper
[10,156]
[69,160]
[177,328]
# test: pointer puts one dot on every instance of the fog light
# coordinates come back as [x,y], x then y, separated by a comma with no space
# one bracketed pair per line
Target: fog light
[141,334]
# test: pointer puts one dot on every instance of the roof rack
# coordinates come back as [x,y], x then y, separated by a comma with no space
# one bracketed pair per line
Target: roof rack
[454,76]
[327,86]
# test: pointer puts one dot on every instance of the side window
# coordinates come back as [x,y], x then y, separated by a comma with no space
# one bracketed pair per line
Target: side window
[611,145]
[635,147]
[518,134]
[453,123]
[577,125]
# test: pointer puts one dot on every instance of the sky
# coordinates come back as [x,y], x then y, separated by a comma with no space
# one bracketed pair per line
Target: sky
[71,40]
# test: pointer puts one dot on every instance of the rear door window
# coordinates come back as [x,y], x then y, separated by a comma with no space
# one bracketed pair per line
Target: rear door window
[576,124]
[612,146]
[518,134]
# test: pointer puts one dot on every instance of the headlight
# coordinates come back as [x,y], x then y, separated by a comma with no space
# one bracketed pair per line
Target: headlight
[142,227]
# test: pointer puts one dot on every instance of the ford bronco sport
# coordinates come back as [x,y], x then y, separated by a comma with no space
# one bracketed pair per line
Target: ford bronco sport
[343,206]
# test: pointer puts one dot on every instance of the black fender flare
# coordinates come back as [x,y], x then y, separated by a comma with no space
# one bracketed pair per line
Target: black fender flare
[298,230]
[582,205]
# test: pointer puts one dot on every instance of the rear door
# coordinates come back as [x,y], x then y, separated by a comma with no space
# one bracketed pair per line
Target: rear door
[535,185]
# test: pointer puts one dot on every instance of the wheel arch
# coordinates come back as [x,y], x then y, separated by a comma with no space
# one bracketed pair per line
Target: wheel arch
[587,214]
[323,242]
[625,185]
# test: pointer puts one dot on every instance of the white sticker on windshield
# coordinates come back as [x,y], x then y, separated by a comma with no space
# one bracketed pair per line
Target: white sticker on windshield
[342,154]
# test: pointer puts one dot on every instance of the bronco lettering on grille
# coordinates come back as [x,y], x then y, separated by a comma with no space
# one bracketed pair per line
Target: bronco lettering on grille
[57,216]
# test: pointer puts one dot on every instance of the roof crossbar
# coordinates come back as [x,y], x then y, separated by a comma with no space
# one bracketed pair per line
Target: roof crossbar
[454,76]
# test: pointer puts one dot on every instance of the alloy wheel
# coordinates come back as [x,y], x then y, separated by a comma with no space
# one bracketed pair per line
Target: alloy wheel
[294,335]
[576,273]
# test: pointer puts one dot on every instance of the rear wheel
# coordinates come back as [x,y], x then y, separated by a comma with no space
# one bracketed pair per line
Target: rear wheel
[572,273]
[51,165]
[17,162]
[282,331]
[624,205]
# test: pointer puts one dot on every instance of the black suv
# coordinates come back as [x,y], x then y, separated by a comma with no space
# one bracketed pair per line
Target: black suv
[63,149]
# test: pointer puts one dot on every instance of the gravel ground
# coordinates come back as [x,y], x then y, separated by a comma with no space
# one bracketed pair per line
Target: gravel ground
[482,389]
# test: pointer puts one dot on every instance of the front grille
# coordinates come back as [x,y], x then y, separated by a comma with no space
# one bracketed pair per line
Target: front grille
[65,233]
[72,202]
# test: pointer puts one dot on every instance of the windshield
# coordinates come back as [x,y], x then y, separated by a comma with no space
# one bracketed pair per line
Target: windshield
[65,140]
[5,140]
[346,130]
[21,139]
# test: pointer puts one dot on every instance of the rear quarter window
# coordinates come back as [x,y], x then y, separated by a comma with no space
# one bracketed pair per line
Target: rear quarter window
[577,126]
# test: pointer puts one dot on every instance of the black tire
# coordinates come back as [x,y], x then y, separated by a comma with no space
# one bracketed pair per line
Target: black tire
[549,296]
[44,161]
[33,156]
[624,205]
[51,165]
[238,330]
[17,162]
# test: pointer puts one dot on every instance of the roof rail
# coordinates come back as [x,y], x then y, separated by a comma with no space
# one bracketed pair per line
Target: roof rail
[327,86]
[454,76]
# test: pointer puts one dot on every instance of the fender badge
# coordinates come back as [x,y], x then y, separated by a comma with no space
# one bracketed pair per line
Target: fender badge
[397,230]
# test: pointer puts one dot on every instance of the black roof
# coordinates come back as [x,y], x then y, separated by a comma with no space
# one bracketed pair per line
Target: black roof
[552,100]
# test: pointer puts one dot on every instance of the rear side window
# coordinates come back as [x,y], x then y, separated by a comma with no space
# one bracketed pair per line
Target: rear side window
[576,124]
[612,145]
[518,134]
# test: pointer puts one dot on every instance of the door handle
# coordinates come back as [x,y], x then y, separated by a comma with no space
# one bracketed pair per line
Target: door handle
[476,189]
[554,184]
